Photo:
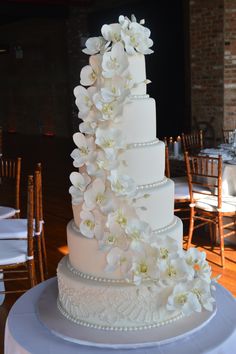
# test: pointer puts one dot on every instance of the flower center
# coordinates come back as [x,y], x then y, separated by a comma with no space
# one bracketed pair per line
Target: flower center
[100,198]
[107,109]
[121,219]
[108,143]
[164,253]
[84,150]
[118,187]
[171,271]
[181,299]
[143,268]
[90,224]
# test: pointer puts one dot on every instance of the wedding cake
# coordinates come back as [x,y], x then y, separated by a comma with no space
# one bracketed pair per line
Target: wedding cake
[126,269]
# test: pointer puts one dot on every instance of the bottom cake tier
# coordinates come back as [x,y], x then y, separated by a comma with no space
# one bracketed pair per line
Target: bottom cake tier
[111,304]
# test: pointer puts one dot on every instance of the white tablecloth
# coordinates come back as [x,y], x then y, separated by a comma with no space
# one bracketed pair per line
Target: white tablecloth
[24,333]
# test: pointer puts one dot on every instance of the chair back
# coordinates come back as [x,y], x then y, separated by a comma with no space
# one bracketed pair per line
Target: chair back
[204,176]
[31,191]
[192,142]
[10,171]
[228,135]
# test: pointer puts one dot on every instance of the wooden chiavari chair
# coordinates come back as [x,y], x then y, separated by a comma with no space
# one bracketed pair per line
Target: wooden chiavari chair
[10,177]
[18,251]
[43,268]
[210,206]
[228,135]
[181,196]
[192,142]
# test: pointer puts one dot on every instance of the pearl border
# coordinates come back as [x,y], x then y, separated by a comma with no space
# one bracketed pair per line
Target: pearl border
[168,227]
[143,144]
[114,328]
[152,185]
[139,97]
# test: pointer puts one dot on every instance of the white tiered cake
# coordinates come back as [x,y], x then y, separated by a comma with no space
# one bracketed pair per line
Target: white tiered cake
[126,269]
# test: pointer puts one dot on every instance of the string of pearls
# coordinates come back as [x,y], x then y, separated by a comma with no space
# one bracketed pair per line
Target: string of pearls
[114,328]
[92,277]
[148,186]
[144,144]
[139,97]
[168,227]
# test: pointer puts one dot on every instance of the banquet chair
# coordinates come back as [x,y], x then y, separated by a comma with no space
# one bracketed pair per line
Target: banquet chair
[10,177]
[17,228]
[41,240]
[181,194]
[18,250]
[228,135]
[205,181]
[192,142]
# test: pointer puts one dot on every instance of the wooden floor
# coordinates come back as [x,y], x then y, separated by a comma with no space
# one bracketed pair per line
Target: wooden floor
[54,153]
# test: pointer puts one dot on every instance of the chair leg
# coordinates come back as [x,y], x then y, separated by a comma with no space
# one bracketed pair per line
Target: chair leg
[221,236]
[40,258]
[32,273]
[45,262]
[191,227]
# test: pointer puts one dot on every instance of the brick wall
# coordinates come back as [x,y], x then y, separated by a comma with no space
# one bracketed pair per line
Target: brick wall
[207,64]
[230,64]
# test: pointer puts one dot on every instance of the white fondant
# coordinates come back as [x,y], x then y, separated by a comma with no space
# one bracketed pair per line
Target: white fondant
[158,207]
[85,256]
[137,71]
[138,120]
[144,164]
[111,305]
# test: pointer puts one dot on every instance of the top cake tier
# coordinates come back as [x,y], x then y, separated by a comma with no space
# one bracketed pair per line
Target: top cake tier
[137,70]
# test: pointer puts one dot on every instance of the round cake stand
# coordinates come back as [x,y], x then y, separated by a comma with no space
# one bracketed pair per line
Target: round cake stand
[57,324]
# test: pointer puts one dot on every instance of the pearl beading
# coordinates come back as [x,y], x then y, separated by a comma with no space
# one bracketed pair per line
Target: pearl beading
[143,144]
[166,228]
[114,328]
[153,185]
[139,97]
[82,275]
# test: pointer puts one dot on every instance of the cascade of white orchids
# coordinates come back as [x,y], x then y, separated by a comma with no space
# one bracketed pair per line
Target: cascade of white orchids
[107,198]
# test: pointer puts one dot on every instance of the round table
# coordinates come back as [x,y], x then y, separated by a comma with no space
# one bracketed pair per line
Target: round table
[25,334]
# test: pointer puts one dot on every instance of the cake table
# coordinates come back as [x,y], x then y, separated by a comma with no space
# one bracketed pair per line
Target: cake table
[25,333]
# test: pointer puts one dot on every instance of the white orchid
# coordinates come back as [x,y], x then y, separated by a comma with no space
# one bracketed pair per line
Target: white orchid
[111,240]
[111,32]
[122,185]
[91,73]
[202,290]
[144,262]
[115,89]
[118,220]
[167,247]
[94,45]
[118,259]
[138,230]
[97,196]
[110,140]
[79,183]
[175,270]
[92,224]
[182,299]
[108,110]
[88,127]
[136,38]
[85,151]
[84,100]
[197,260]
[115,62]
